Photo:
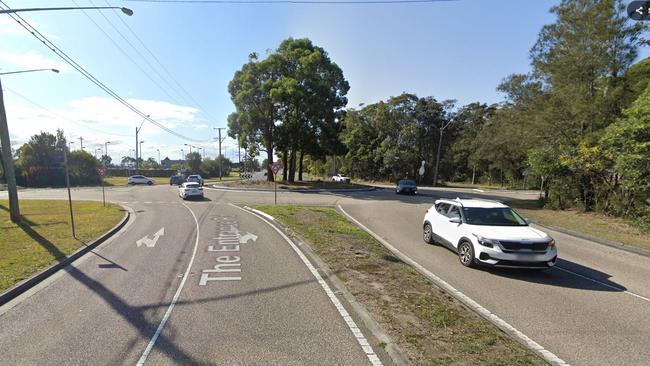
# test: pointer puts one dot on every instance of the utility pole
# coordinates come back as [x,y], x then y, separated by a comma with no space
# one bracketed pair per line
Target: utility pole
[137,145]
[81,142]
[159,161]
[67,183]
[220,158]
[239,156]
[7,156]
[443,127]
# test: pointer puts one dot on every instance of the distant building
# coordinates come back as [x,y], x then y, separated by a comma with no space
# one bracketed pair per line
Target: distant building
[167,163]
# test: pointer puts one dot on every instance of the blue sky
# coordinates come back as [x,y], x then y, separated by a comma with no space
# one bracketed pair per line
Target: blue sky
[451,50]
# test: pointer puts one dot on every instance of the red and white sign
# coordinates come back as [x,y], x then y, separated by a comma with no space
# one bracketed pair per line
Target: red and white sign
[101,171]
[275,167]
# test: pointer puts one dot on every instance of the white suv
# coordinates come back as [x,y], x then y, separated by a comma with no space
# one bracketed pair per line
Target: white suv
[490,233]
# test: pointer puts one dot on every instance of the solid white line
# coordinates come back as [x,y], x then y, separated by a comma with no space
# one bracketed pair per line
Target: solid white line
[153,340]
[358,335]
[602,283]
[547,355]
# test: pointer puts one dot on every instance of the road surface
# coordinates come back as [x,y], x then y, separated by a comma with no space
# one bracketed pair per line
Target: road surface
[593,308]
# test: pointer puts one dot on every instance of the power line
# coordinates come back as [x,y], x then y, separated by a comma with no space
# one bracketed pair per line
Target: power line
[54,48]
[125,53]
[162,66]
[331,2]
[60,116]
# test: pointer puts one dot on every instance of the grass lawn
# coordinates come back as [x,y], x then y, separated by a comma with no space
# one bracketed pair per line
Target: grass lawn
[45,235]
[115,181]
[430,327]
[591,223]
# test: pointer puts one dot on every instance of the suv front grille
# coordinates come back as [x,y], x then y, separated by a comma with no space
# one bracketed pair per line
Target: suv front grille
[519,246]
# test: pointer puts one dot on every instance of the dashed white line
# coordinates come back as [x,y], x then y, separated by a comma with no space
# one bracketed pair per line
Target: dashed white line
[358,334]
[547,355]
[153,340]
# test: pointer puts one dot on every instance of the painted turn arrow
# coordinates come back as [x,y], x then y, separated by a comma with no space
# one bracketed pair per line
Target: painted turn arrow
[150,243]
[245,238]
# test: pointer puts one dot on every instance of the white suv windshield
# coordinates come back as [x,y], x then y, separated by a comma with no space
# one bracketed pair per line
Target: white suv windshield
[493,216]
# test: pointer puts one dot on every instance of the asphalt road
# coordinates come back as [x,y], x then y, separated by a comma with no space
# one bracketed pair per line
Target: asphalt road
[247,298]
[592,309]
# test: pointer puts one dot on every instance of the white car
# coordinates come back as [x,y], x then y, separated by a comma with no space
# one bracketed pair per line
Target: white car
[488,233]
[190,189]
[140,179]
[340,178]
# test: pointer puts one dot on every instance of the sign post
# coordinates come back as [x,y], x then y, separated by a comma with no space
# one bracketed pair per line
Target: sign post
[275,168]
[67,183]
[101,171]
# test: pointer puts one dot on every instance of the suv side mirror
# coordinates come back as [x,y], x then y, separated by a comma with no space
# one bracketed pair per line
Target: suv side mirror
[455,220]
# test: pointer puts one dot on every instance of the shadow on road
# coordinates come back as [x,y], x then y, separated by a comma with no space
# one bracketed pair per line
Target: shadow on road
[133,314]
[598,281]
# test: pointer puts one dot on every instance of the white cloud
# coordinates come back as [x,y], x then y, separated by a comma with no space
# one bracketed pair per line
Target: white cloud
[101,119]
[32,60]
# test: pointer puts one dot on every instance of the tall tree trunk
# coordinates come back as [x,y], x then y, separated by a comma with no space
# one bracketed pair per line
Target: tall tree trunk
[269,158]
[292,165]
[302,155]
[284,165]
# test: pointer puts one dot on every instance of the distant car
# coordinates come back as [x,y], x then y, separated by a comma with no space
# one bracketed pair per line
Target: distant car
[190,189]
[406,186]
[487,233]
[195,178]
[176,180]
[341,178]
[140,179]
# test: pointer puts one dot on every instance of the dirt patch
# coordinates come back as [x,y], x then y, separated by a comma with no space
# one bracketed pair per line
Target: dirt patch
[428,325]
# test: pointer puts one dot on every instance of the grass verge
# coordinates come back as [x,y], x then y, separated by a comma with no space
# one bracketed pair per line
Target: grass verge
[428,325]
[590,223]
[44,236]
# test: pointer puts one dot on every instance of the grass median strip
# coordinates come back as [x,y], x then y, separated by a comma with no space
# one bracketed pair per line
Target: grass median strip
[429,326]
[44,236]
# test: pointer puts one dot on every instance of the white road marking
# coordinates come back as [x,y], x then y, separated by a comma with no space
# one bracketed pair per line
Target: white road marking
[536,347]
[150,243]
[602,283]
[245,238]
[358,335]
[477,190]
[260,213]
[153,340]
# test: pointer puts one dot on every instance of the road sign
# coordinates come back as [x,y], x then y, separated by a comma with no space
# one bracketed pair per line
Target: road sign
[275,167]
[421,170]
[101,171]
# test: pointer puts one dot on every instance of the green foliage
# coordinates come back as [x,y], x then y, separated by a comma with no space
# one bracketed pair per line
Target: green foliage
[290,101]
[193,162]
[82,168]
[211,167]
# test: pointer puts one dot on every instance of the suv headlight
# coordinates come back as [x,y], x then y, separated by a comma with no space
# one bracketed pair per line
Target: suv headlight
[551,244]
[490,243]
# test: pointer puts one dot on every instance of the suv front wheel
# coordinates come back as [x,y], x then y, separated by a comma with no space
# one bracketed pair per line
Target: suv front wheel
[427,234]
[466,254]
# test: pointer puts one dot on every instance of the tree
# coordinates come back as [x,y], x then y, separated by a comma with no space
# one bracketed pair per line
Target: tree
[291,101]
[193,162]
[82,168]
[40,160]
[626,144]
[106,160]
[150,163]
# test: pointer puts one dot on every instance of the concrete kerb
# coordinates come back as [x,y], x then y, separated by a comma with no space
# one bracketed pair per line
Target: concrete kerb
[390,347]
[517,335]
[34,280]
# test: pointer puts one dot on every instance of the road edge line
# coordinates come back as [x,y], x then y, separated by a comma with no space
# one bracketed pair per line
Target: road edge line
[269,217]
[29,283]
[466,300]
[177,295]
[366,348]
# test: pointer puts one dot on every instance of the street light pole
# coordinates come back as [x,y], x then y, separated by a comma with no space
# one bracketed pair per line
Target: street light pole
[106,147]
[137,131]
[7,155]
[10,172]
[126,11]
[220,158]
[159,161]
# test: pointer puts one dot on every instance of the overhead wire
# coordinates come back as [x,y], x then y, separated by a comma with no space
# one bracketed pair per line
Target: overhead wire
[162,66]
[329,2]
[69,60]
